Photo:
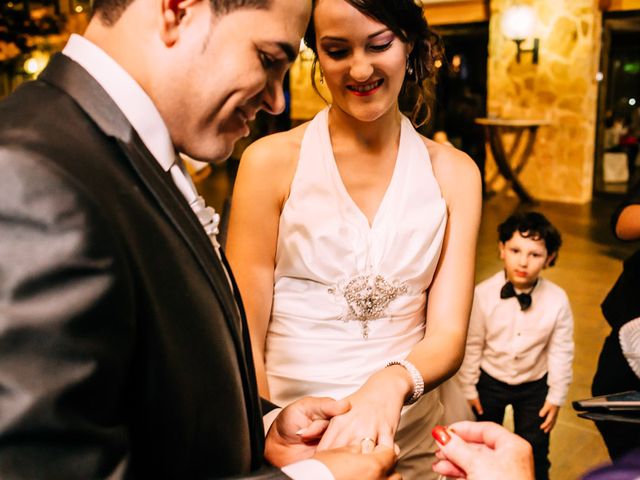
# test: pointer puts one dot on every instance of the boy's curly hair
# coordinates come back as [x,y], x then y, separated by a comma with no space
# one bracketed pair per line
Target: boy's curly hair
[532,225]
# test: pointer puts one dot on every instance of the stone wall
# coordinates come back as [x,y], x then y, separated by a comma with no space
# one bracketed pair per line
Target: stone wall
[561,88]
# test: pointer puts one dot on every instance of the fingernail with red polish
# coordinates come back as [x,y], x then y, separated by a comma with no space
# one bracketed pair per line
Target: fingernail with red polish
[440,434]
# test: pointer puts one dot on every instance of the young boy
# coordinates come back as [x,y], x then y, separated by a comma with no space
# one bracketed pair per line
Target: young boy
[520,342]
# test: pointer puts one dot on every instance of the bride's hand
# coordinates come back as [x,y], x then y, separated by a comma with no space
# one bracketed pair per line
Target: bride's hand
[375,412]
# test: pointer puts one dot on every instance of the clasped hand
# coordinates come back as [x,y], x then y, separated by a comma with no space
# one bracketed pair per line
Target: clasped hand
[373,417]
[297,430]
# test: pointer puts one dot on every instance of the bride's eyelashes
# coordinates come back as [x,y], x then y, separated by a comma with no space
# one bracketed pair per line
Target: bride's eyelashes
[340,53]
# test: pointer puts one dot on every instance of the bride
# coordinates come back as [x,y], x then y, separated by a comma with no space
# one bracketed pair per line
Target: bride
[353,238]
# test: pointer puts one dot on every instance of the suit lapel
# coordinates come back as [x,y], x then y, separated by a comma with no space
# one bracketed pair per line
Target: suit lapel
[257,426]
[70,77]
[175,206]
[182,217]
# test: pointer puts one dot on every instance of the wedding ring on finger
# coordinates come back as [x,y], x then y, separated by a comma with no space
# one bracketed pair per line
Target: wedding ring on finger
[367,444]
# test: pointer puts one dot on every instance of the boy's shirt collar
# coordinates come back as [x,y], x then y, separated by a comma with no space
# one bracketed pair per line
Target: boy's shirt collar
[520,290]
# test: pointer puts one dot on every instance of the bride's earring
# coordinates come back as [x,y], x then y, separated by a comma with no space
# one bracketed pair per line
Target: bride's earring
[321,76]
[409,67]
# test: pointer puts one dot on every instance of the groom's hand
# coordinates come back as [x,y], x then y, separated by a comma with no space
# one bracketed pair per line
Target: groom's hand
[295,433]
[356,461]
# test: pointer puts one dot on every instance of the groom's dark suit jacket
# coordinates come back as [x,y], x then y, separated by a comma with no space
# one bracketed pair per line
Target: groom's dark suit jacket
[123,352]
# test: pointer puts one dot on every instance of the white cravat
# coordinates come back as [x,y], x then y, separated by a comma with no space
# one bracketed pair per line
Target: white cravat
[207,216]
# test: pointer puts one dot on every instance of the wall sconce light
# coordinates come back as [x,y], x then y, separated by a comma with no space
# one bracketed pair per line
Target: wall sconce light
[518,24]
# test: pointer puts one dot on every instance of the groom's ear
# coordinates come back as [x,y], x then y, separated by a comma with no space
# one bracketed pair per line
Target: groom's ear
[174,14]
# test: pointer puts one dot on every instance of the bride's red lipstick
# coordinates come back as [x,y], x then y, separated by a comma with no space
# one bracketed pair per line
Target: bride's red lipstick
[365,90]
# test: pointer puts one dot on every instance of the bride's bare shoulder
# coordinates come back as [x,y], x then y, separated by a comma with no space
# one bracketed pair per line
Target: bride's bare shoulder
[271,161]
[278,149]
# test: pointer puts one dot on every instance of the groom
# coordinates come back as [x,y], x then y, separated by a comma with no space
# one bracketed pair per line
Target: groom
[124,351]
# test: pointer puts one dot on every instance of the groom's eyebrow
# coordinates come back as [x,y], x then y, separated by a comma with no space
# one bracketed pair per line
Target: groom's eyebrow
[288,50]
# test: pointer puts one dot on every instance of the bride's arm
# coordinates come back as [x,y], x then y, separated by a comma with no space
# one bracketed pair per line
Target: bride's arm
[439,355]
[376,406]
[261,187]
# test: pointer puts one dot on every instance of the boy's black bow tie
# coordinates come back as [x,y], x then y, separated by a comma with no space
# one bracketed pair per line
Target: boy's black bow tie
[524,299]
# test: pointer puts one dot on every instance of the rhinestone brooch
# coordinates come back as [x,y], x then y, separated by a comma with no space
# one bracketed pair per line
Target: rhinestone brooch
[368,297]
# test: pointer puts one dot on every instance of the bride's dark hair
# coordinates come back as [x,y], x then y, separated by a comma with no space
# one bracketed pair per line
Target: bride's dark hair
[406,20]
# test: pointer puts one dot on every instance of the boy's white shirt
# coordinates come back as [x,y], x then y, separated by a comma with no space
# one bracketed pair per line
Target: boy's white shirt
[516,346]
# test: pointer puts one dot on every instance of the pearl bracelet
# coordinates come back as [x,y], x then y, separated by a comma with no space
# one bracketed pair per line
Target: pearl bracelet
[416,377]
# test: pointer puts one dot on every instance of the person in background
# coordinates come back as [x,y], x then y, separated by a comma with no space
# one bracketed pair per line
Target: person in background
[124,350]
[520,340]
[614,130]
[343,227]
[629,140]
[622,305]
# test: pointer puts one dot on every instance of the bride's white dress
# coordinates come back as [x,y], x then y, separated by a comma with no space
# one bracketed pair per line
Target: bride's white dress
[350,297]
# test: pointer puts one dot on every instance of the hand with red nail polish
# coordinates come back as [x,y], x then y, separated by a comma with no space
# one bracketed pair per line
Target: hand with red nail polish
[440,434]
[482,450]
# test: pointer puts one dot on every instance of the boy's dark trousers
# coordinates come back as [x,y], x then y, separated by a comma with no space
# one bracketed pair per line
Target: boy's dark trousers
[527,399]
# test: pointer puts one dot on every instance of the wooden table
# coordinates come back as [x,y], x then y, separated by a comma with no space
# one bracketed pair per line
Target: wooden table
[509,166]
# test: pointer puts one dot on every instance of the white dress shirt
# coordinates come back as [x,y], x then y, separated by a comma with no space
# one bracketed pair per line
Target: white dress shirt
[143,115]
[516,346]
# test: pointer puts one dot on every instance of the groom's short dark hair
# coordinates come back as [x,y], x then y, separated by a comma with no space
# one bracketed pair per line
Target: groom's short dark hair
[110,10]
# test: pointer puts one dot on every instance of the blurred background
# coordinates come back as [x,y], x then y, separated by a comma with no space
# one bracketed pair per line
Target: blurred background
[547,91]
